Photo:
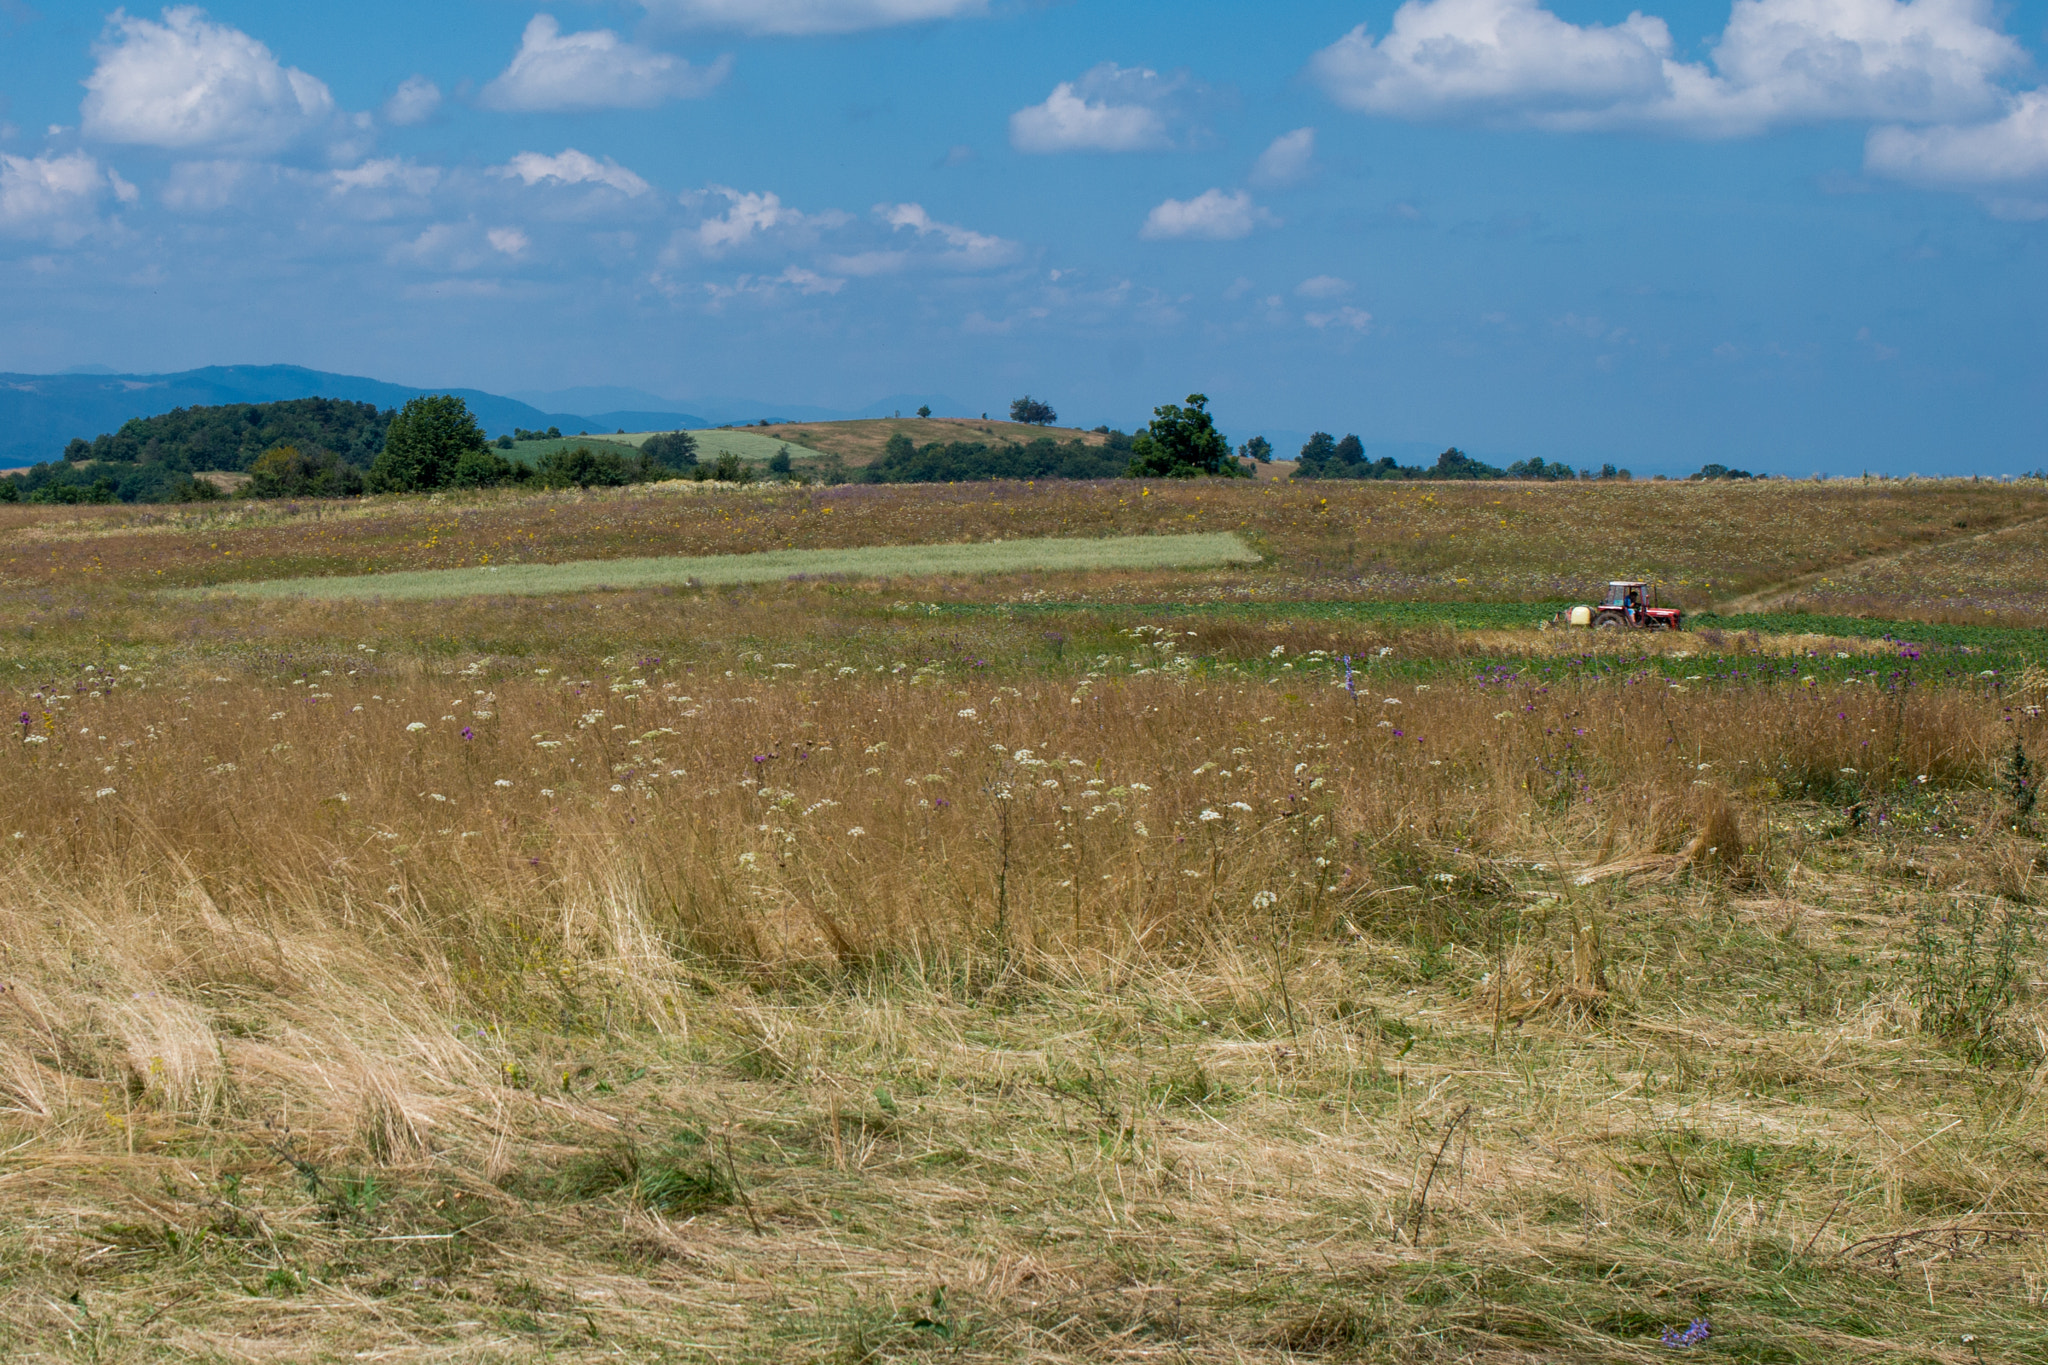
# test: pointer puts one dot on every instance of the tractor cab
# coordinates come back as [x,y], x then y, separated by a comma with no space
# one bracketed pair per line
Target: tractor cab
[1632,603]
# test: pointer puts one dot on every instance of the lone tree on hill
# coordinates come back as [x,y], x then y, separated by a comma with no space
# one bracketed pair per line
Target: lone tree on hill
[1182,443]
[1257,448]
[1029,409]
[426,441]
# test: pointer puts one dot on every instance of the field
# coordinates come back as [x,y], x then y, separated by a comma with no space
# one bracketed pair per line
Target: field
[769,566]
[860,442]
[1307,959]
[532,452]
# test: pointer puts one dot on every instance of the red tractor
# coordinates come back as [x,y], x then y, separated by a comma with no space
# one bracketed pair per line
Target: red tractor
[1631,604]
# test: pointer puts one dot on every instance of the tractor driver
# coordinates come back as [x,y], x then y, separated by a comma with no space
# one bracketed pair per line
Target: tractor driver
[1632,606]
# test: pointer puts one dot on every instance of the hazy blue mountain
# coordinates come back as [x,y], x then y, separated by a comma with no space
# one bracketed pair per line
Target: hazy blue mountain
[39,413]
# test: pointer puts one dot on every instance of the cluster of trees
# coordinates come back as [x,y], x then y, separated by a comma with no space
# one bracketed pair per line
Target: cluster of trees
[232,436]
[59,482]
[1323,456]
[903,461]
[1326,457]
[1721,471]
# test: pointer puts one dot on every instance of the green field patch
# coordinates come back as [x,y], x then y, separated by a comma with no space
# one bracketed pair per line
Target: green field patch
[1208,550]
[746,445]
[1863,628]
[530,453]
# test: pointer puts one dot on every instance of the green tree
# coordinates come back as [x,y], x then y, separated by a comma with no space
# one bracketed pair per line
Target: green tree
[1030,410]
[484,468]
[423,445]
[925,410]
[1183,443]
[671,450]
[582,467]
[778,463]
[1257,448]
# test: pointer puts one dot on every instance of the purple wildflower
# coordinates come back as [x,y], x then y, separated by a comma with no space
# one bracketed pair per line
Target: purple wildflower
[1695,1332]
[468,733]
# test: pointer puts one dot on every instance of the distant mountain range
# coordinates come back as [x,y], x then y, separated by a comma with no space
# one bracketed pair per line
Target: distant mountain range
[40,413]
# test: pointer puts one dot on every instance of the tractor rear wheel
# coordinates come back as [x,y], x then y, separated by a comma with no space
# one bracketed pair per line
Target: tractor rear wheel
[1607,621]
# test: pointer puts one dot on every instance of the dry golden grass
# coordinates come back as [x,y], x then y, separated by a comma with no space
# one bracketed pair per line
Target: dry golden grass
[861,442]
[710,1001]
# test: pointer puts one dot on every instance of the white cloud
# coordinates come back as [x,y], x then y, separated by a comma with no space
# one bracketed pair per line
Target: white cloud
[793,277]
[1777,62]
[809,16]
[1322,287]
[1356,319]
[415,101]
[1287,160]
[1212,215]
[556,71]
[510,241]
[965,249]
[190,83]
[572,168]
[2002,152]
[1109,109]
[209,186]
[749,214]
[57,197]
[386,173]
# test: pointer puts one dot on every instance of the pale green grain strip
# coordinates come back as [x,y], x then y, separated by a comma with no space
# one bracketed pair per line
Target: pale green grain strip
[1206,550]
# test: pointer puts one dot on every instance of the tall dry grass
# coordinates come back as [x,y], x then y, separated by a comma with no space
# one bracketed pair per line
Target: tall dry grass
[267,945]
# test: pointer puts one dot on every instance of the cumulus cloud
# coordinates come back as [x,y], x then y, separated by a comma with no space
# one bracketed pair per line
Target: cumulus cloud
[798,17]
[1109,109]
[555,71]
[57,197]
[1211,215]
[189,83]
[1323,287]
[415,101]
[750,214]
[1351,319]
[572,168]
[1777,62]
[508,241]
[390,174]
[1287,160]
[965,249]
[793,277]
[2005,151]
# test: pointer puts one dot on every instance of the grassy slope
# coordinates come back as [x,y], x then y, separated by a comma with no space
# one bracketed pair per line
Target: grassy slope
[892,561]
[860,442]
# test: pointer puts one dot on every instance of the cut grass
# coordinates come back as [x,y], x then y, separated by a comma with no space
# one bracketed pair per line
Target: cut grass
[878,561]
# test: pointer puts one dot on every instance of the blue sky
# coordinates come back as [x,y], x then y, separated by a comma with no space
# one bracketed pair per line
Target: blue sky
[1790,235]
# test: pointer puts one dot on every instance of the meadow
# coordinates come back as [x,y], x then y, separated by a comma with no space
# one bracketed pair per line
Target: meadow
[1303,959]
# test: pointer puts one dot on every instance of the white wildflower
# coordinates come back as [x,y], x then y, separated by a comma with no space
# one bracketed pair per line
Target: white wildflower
[1211,815]
[416,727]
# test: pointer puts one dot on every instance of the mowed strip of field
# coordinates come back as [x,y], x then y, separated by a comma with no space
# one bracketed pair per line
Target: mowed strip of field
[1205,550]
